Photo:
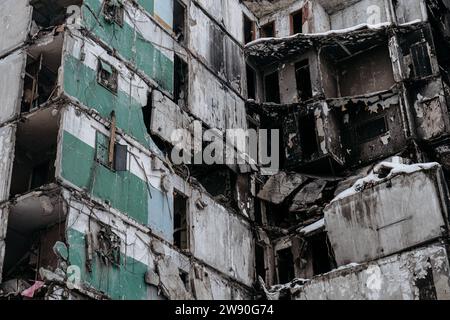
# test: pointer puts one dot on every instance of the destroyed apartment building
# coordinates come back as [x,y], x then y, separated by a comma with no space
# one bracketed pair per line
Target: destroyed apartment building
[93,207]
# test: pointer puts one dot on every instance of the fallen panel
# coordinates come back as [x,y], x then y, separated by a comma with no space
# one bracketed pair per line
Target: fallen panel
[395,208]
[309,195]
[11,69]
[281,186]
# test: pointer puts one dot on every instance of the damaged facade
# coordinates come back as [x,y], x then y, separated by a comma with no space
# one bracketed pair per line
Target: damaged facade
[360,92]
[92,207]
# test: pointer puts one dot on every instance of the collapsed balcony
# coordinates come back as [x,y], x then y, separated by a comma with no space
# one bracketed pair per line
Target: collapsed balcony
[35,152]
[346,222]
[41,72]
[266,51]
[50,13]
[356,70]
[35,227]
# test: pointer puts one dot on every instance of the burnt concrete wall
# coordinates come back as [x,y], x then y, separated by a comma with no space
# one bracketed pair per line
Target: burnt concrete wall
[370,71]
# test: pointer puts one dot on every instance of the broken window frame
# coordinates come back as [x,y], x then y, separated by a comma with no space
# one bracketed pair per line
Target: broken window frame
[38,95]
[181,82]
[102,153]
[118,14]
[422,69]
[109,246]
[182,35]
[107,70]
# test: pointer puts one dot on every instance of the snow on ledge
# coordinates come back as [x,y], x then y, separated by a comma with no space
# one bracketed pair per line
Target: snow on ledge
[313,227]
[358,27]
[322,34]
[374,176]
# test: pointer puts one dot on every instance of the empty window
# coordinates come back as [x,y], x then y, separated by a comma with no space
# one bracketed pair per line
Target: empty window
[272,88]
[147,112]
[303,78]
[249,30]
[181,82]
[120,153]
[322,256]
[251,83]
[180,225]
[372,129]
[179,21]
[260,263]
[297,22]
[421,59]
[285,263]
[268,30]
[308,136]
[40,79]
[41,174]
[113,11]
[107,76]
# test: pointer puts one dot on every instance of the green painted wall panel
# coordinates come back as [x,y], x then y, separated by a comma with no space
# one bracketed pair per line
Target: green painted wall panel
[81,82]
[122,283]
[123,190]
[130,44]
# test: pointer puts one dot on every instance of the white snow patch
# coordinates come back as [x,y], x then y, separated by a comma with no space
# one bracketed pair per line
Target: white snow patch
[374,177]
[323,34]
[313,227]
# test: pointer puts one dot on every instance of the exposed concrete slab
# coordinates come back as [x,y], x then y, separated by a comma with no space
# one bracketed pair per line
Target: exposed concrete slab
[382,216]
[15,23]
